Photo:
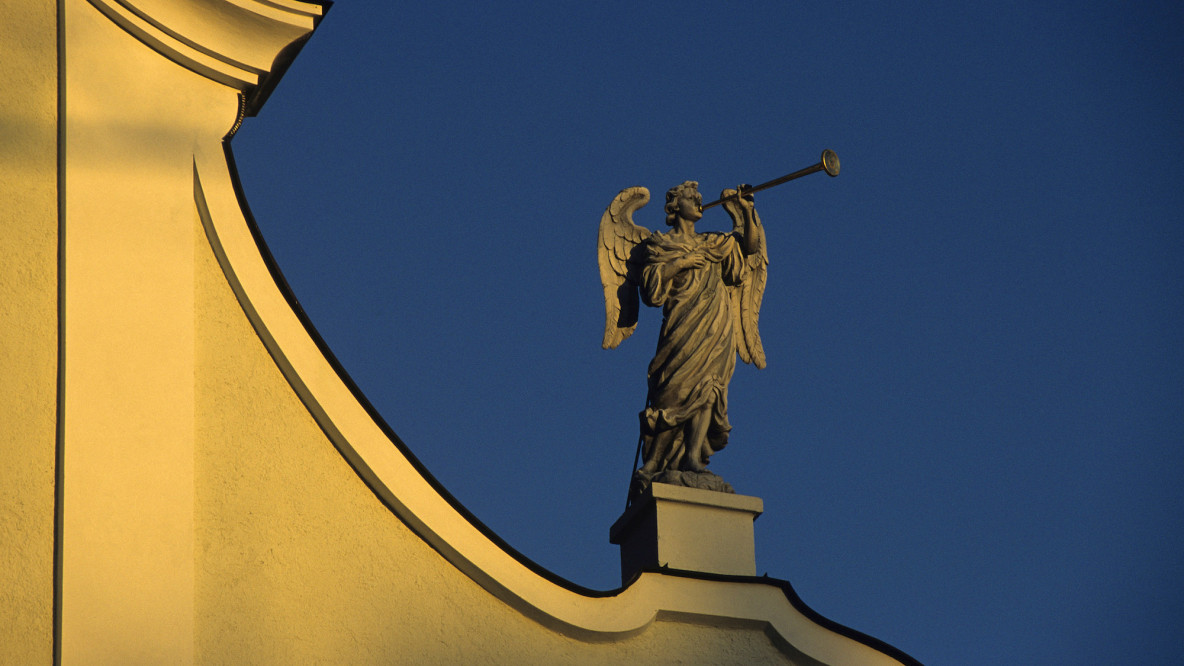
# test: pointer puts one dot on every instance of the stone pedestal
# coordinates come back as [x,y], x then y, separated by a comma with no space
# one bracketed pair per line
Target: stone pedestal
[689,529]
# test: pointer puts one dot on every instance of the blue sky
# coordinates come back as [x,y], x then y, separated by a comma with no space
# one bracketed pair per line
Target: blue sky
[970,434]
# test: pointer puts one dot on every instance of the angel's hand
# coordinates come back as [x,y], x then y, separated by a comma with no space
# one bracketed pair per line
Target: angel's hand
[692,260]
[746,200]
[737,205]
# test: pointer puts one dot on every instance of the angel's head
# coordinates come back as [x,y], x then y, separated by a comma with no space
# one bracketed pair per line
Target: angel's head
[684,200]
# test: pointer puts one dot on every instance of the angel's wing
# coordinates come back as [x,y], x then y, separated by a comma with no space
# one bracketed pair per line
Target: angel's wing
[617,252]
[746,300]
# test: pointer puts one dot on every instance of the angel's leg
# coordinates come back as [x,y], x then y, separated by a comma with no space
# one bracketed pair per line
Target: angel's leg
[659,451]
[697,452]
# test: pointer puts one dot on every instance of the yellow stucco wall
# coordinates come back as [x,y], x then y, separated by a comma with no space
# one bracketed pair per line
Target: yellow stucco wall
[298,561]
[28,329]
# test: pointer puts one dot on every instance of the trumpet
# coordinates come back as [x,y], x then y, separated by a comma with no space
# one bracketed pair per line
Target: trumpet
[829,163]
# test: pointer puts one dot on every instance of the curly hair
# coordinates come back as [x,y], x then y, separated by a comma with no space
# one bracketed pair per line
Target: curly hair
[674,194]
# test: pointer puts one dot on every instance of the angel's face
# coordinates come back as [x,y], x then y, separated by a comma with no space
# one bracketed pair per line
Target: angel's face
[690,205]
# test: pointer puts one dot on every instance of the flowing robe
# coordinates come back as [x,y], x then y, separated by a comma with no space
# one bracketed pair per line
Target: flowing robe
[696,353]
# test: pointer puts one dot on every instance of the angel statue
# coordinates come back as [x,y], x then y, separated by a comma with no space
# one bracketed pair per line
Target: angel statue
[709,286]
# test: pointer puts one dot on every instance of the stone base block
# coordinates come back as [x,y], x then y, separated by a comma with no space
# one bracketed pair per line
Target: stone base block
[690,529]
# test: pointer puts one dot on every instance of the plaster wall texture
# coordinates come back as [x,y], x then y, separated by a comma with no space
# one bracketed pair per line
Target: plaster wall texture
[28,328]
[298,561]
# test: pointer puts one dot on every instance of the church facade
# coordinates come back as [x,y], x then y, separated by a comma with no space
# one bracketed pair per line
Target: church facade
[186,474]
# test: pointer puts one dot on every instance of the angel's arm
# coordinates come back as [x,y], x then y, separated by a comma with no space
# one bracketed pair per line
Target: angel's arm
[745,222]
[753,268]
[664,272]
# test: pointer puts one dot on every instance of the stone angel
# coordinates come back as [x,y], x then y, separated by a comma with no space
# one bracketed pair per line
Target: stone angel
[709,286]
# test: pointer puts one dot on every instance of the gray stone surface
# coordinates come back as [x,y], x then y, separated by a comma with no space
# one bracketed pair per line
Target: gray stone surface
[688,529]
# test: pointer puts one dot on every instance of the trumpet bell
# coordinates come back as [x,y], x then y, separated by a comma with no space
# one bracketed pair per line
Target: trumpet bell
[830,163]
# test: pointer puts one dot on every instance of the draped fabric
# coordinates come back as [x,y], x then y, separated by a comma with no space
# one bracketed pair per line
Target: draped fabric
[696,355]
